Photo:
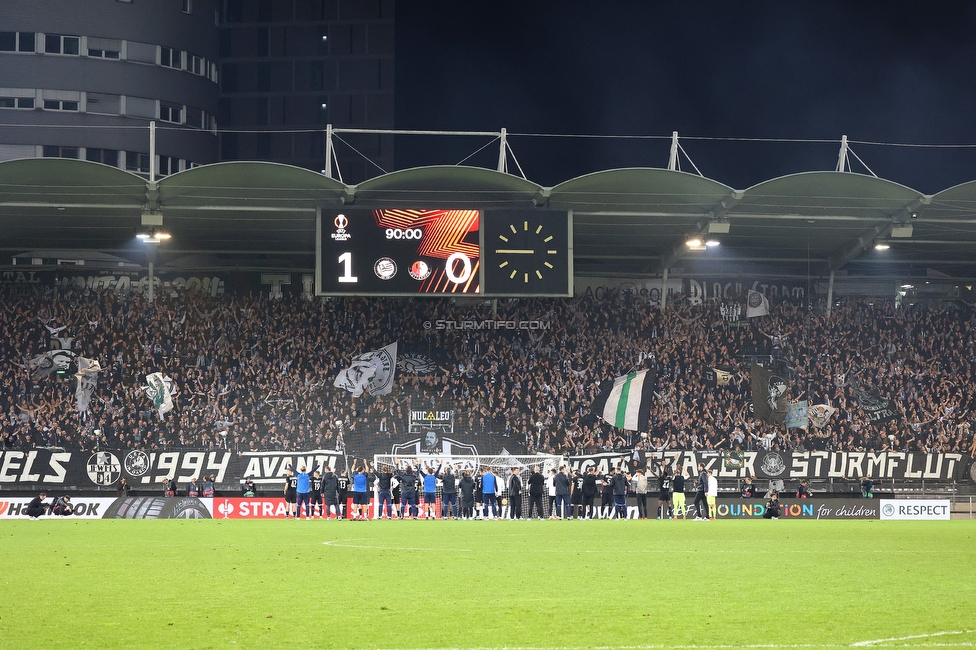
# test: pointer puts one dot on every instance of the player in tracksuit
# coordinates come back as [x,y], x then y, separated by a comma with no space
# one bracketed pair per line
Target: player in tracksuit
[384,487]
[330,487]
[701,504]
[449,502]
[408,491]
[618,483]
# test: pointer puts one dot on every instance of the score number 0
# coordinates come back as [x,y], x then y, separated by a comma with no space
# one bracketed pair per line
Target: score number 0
[345,260]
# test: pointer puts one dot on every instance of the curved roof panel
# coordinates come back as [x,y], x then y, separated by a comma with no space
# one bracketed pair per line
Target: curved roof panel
[65,182]
[447,186]
[827,193]
[248,184]
[639,190]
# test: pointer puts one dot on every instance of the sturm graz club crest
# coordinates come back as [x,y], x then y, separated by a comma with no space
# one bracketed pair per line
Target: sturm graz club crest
[104,468]
[136,463]
[888,510]
[773,464]
[755,299]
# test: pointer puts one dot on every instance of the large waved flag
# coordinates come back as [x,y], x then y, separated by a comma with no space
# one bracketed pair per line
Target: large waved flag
[820,414]
[770,395]
[372,372]
[87,376]
[159,389]
[757,304]
[627,405]
[798,415]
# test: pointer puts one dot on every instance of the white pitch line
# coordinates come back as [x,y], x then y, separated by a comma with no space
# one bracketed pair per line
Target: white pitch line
[909,638]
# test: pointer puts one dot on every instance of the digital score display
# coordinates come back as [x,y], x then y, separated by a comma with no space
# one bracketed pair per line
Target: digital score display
[409,252]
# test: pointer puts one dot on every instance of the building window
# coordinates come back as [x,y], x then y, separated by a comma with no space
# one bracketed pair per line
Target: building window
[60,105]
[171,58]
[60,152]
[17,42]
[16,102]
[61,44]
[171,113]
[104,48]
[188,6]
[168,165]
[137,162]
[197,65]
[104,156]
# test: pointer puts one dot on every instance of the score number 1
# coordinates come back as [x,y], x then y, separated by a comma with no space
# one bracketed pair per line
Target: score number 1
[345,262]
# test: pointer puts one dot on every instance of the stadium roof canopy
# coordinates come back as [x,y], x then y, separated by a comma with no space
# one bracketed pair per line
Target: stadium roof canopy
[627,222]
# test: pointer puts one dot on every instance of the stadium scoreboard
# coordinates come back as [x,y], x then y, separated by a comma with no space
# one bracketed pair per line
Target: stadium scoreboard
[444,252]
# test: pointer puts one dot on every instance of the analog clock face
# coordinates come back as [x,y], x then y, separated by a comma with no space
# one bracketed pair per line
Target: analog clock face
[526,253]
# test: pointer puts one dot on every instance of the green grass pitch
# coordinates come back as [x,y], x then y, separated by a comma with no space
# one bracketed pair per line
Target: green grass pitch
[487,584]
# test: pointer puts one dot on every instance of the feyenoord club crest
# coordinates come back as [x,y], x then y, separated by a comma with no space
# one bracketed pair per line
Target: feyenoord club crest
[419,270]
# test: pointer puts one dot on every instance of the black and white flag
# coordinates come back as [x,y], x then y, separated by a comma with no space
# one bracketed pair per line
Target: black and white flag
[370,372]
[51,361]
[770,395]
[878,409]
[86,377]
[757,304]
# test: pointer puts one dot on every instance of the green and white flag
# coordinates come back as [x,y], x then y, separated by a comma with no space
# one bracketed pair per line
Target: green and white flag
[160,391]
[627,405]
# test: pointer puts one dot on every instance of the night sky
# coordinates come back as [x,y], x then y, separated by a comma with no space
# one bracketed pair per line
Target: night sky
[876,71]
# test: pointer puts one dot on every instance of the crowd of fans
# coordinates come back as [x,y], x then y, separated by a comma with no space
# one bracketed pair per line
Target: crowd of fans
[253,373]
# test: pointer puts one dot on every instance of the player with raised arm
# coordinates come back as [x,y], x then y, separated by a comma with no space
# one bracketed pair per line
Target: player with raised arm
[408,490]
[430,491]
[384,487]
[449,503]
[664,491]
[360,491]
[303,489]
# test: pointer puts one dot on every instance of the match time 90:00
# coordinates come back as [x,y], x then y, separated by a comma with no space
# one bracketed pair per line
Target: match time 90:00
[404,233]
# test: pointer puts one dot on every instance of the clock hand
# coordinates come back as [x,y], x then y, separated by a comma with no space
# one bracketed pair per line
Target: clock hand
[514,251]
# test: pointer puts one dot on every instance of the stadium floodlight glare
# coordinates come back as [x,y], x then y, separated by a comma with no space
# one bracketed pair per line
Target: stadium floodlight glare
[881,245]
[711,243]
[153,237]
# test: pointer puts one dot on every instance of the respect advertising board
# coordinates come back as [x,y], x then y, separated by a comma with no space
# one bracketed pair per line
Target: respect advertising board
[915,509]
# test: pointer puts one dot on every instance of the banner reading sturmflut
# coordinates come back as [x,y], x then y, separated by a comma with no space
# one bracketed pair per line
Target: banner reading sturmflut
[627,404]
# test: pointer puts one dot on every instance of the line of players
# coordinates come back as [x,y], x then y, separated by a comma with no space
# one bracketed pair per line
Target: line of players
[310,493]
